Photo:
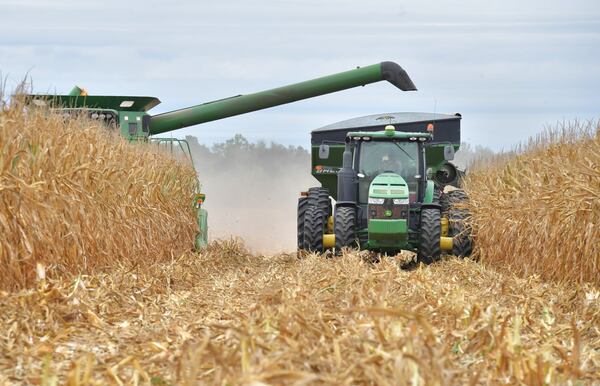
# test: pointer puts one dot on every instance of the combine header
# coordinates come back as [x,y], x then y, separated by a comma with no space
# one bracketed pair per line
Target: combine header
[129,114]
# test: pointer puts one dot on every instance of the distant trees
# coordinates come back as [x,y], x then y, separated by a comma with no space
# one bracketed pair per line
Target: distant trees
[469,154]
[239,151]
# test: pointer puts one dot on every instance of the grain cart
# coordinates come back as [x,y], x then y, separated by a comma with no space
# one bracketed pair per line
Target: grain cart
[387,174]
[129,114]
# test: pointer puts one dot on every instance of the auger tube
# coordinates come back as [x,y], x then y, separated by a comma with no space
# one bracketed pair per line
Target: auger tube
[241,104]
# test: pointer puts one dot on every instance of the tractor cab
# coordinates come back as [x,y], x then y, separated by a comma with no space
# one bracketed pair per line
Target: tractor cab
[396,157]
[389,170]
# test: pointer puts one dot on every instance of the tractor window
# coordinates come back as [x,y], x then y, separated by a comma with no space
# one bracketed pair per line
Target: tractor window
[378,157]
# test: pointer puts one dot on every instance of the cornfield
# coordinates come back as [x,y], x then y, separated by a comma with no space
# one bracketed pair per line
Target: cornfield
[100,286]
[537,211]
[75,199]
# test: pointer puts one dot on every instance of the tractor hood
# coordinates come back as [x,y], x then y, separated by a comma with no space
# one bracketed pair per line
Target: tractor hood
[388,185]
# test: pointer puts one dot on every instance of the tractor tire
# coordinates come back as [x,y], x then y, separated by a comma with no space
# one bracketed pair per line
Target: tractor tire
[447,200]
[460,231]
[302,206]
[437,195]
[319,197]
[457,196]
[458,223]
[314,228]
[444,203]
[344,227]
[429,236]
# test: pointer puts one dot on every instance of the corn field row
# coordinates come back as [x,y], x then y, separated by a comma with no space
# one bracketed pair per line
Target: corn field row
[537,211]
[76,199]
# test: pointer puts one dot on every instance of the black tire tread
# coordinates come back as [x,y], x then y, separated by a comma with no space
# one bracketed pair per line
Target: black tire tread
[344,228]
[314,226]
[460,230]
[302,206]
[319,197]
[450,199]
[429,236]
[458,223]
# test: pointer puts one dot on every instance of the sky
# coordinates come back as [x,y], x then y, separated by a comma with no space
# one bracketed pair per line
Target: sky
[511,68]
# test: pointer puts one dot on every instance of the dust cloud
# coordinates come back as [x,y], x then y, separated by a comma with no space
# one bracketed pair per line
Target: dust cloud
[252,190]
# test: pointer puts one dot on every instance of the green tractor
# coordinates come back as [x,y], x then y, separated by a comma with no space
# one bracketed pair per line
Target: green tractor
[393,186]
[128,115]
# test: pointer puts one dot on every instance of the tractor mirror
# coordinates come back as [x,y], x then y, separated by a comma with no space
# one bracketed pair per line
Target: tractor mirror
[324,151]
[448,152]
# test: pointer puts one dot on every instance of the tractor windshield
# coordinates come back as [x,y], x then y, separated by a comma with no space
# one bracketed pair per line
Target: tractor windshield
[378,157]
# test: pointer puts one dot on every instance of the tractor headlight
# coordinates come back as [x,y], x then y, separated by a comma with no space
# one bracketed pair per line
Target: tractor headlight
[400,201]
[373,200]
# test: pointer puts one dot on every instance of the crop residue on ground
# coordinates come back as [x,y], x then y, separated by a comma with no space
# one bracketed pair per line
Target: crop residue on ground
[229,317]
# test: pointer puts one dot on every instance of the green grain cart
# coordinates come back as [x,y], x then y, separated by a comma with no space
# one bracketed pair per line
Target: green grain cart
[129,114]
[393,186]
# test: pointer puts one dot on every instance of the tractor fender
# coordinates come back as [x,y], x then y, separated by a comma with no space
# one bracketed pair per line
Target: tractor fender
[429,191]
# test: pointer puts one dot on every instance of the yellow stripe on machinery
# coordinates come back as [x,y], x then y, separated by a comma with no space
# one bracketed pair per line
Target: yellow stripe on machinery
[329,242]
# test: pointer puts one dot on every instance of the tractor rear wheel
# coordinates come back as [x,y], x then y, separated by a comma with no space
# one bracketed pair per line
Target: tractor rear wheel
[314,228]
[458,223]
[319,197]
[344,227]
[302,205]
[448,200]
[459,229]
[429,236]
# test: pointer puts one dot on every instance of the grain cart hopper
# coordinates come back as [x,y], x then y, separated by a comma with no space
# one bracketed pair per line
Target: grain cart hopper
[387,174]
[129,114]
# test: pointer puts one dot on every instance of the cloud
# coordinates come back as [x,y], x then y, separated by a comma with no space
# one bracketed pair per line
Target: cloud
[503,65]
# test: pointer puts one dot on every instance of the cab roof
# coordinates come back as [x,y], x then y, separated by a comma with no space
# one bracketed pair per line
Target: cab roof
[446,126]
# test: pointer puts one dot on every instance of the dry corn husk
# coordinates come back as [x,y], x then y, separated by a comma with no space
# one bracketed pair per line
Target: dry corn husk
[537,211]
[75,197]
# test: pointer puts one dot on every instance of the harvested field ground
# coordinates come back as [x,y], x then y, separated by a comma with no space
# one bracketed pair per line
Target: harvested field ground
[228,317]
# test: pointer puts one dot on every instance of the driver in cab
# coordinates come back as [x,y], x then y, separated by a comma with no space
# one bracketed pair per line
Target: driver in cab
[388,164]
[407,168]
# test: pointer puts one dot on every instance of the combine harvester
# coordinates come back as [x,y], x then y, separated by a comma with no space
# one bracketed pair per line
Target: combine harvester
[129,114]
[387,174]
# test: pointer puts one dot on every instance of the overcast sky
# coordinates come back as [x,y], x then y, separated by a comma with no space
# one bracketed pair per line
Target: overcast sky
[509,67]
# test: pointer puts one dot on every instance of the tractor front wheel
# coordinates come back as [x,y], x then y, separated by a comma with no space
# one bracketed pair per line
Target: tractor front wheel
[429,236]
[344,227]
